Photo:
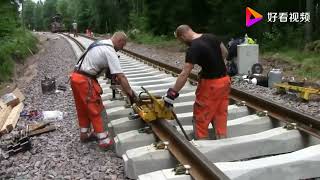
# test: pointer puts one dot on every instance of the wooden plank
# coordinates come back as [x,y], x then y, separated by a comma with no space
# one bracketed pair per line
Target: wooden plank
[4,114]
[10,99]
[41,131]
[19,94]
[12,120]
[33,127]
[13,98]
[2,105]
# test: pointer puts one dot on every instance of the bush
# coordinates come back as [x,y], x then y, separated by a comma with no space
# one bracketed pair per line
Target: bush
[282,38]
[15,48]
[138,22]
[133,33]
[313,47]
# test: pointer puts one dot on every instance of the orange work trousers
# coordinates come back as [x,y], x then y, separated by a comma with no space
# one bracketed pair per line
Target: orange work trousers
[211,106]
[86,92]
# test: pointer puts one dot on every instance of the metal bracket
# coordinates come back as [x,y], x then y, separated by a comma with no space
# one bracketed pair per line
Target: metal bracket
[181,169]
[174,74]
[193,83]
[146,130]
[262,113]
[19,143]
[241,103]
[290,126]
[161,145]
[133,116]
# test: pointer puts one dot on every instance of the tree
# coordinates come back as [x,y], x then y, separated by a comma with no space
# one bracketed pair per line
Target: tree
[63,9]
[49,10]
[28,14]
[308,26]
[8,18]
[226,18]
[38,16]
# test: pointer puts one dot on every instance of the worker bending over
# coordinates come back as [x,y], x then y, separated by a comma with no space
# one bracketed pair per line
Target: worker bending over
[99,56]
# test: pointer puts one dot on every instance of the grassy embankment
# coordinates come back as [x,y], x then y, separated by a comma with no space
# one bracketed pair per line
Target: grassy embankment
[149,39]
[307,63]
[14,49]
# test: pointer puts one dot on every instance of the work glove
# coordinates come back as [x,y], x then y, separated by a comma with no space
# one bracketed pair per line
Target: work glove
[133,97]
[170,97]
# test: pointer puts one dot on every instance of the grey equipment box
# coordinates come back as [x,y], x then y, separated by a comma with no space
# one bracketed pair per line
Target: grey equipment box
[248,55]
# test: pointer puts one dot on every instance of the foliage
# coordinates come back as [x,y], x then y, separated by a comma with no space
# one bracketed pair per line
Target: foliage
[15,43]
[8,18]
[28,14]
[49,10]
[15,48]
[147,38]
[138,22]
[38,17]
[62,8]
[153,22]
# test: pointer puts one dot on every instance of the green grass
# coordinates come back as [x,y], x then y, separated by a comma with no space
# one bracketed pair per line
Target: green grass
[308,62]
[15,48]
[158,41]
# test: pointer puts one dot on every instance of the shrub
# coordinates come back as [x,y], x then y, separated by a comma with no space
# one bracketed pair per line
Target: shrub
[14,48]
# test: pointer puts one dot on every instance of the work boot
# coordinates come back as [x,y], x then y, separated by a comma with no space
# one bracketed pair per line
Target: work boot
[105,143]
[87,136]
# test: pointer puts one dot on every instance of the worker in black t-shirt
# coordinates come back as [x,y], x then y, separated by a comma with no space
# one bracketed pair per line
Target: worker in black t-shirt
[213,89]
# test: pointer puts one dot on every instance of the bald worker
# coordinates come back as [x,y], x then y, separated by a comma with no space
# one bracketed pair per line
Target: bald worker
[213,89]
[99,56]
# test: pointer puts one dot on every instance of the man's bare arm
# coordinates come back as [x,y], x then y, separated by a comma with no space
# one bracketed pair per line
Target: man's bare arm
[123,81]
[183,77]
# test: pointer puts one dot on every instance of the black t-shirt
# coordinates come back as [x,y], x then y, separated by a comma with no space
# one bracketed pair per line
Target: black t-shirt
[206,52]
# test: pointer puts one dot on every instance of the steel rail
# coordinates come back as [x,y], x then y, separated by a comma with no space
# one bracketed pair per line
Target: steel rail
[303,122]
[81,46]
[186,153]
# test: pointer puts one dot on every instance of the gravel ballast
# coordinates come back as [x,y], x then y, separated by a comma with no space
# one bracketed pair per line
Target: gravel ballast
[58,154]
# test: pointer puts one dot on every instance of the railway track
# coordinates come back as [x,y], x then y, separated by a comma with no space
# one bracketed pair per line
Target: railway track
[266,140]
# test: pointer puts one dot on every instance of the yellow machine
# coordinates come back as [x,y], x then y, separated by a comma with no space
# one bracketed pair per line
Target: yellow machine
[305,92]
[151,108]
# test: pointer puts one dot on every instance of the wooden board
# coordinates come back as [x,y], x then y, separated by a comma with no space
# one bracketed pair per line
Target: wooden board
[19,94]
[33,127]
[9,116]
[2,105]
[12,119]
[4,114]
[41,131]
